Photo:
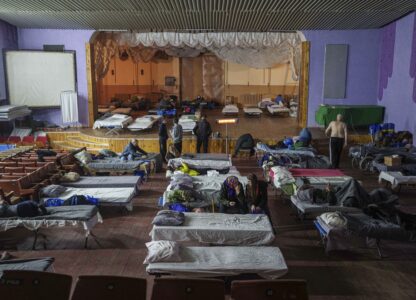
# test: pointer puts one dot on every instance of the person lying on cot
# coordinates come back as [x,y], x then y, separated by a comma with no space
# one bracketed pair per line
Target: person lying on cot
[132,151]
[25,209]
[317,196]
[232,199]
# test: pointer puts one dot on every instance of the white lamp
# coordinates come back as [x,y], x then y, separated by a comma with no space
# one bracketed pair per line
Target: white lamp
[226,122]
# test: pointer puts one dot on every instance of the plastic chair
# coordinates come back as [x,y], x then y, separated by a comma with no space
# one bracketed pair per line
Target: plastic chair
[269,289]
[34,285]
[188,289]
[109,288]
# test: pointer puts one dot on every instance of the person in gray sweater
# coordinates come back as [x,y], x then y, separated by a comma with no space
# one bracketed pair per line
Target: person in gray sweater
[177,133]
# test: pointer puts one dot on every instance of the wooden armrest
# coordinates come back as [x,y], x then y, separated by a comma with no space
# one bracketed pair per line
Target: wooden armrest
[8,195]
[27,192]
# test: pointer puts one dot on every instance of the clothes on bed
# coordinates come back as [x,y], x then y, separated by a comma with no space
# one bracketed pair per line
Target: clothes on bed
[202,131]
[245,141]
[335,148]
[169,218]
[25,209]
[132,151]
[232,199]
[73,200]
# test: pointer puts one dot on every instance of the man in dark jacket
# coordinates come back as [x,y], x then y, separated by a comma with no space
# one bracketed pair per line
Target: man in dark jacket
[163,138]
[132,151]
[202,131]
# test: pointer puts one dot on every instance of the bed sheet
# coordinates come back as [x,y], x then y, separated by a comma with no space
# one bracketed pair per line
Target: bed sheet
[305,152]
[30,264]
[276,109]
[200,163]
[219,229]
[267,262]
[105,181]
[145,122]
[252,111]
[116,120]
[396,178]
[312,208]
[230,109]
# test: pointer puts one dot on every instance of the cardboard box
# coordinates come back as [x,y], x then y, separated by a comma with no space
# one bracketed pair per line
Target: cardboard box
[392,161]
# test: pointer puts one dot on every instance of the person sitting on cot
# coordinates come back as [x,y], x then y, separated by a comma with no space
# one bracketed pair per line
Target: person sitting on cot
[256,192]
[232,199]
[132,151]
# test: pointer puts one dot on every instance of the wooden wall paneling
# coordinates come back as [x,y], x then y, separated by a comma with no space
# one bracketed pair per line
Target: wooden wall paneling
[91,84]
[124,71]
[256,76]
[304,85]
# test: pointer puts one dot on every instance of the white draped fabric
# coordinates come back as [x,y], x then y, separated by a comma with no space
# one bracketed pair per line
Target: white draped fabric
[254,49]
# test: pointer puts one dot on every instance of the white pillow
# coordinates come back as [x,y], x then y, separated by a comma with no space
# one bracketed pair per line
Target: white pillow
[84,157]
[162,251]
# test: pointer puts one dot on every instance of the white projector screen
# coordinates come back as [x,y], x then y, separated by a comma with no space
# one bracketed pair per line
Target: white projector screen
[37,78]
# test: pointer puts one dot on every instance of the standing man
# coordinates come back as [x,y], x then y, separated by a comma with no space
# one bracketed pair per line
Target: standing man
[337,130]
[163,138]
[202,131]
[177,133]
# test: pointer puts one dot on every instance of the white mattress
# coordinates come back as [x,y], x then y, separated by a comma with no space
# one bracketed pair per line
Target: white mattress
[276,109]
[145,122]
[311,208]
[201,163]
[267,262]
[252,111]
[396,178]
[106,196]
[116,120]
[230,109]
[188,122]
[219,229]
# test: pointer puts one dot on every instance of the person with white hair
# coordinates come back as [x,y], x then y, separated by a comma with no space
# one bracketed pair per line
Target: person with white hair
[337,130]
[132,151]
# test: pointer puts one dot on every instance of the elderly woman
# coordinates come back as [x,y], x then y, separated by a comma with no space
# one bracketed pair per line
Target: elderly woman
[232,198]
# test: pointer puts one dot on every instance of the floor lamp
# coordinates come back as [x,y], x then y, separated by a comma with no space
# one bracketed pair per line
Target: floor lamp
[227,122]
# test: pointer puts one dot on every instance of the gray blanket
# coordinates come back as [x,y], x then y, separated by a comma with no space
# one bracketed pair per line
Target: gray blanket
[116,164]
[105,181]
[77,213]
[34,264]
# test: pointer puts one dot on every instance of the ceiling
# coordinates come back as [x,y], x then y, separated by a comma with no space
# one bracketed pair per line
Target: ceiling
[216,15]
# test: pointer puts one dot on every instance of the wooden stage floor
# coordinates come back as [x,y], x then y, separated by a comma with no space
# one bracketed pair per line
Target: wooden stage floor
[358,274]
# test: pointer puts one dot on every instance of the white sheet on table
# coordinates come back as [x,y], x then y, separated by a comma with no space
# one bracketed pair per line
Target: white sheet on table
[311,208]
[230,109]
[219,229]
[252,110]
[31,224]
[106,196]
[396,178]
[267,262]
[145,122]
[116,120]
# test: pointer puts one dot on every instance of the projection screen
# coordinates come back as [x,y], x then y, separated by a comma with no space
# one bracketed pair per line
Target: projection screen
[37,78]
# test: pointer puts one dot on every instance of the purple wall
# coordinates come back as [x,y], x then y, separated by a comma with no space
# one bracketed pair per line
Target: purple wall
[362,69]
[8,40]
[73,40]
[397,96]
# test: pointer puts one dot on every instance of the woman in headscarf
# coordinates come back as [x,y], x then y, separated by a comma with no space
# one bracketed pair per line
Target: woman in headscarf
[232,198]
[256,193]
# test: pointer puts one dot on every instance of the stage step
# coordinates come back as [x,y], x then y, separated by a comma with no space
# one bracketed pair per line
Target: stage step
[79,143]
[64,145]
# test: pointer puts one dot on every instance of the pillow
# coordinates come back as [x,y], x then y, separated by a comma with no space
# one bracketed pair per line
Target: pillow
[84,157]
[70,177]
[108,153]
[169,218]
[53,190]
[162,251]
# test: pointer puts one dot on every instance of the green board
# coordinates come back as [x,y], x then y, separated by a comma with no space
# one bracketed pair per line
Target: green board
[354,115]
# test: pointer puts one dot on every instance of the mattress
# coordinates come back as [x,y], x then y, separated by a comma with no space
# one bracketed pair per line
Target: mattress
[252,111]
[276,109]
[207,156]
[31,264]
[188,122]
[381,167]
[230,109]
[396,178]
[105,181]
[116,164]
[219,229]
[115,196]
[116,120]
[312,208]
[86,216]
[195,163]
[267,262]
[145,122]
[309,151]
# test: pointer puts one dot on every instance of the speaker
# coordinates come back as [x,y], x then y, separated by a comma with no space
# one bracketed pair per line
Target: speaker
[335,74]
[54,48]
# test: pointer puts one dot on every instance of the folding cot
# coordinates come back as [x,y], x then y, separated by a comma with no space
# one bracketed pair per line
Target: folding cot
[105,182]
[188,122]
[143,123]
[26,264]
[397,179]
[202,162]
[252,111]
[113,123]
[230,110]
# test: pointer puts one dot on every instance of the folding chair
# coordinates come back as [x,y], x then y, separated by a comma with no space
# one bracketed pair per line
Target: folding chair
[109,288]
[188,289]
[34,285]
[269,289]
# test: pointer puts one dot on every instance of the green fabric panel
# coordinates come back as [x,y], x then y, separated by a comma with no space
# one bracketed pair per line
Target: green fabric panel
[354,115]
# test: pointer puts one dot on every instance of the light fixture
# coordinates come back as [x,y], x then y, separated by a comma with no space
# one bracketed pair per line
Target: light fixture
[226,122]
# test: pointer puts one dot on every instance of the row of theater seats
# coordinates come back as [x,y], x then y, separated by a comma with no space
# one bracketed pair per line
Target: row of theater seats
[40,141]
[17,285]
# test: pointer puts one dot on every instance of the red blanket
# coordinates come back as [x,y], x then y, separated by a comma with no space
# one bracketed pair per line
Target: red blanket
[316,172]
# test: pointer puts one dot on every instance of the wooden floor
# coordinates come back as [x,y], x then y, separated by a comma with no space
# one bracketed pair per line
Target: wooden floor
[344,275]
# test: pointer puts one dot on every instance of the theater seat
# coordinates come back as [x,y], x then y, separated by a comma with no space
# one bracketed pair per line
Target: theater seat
[109,288]
[28,140]
[14,139]
[188,289]
[269,289]
[41,141]
[18,285]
